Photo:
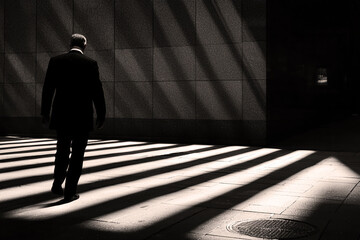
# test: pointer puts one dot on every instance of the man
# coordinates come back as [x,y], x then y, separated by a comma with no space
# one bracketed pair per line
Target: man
[74,80]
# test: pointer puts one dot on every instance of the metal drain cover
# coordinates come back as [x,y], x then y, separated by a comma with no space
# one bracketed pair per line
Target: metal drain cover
[272,228]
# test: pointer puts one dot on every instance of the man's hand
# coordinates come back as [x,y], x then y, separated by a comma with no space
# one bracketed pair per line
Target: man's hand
[45,120]
[100,123]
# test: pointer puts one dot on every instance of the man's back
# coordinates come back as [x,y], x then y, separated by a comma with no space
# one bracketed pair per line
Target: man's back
[75,78]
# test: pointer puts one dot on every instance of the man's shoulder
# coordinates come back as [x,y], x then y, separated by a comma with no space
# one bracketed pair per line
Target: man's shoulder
[70,55]
[60,56]
[87,58]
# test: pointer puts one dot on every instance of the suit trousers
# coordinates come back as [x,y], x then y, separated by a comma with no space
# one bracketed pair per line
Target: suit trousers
[66,166]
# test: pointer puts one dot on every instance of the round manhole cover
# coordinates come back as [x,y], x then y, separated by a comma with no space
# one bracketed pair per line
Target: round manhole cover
[273,228]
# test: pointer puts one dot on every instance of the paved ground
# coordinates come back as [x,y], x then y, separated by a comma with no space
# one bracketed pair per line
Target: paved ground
[140,190]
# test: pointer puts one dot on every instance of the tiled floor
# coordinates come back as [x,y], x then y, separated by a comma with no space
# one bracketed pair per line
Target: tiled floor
[140,190]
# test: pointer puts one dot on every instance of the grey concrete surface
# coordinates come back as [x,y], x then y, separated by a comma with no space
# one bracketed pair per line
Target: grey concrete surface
[143,190]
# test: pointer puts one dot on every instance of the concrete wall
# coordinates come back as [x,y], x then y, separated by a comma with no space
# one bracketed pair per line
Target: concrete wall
[304,36]
[192,70]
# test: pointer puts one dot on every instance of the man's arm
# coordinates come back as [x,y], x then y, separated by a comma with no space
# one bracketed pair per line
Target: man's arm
[48,93]
[99,99]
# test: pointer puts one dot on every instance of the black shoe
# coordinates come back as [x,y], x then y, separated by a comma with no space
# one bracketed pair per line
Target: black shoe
[57,190]
[72,198]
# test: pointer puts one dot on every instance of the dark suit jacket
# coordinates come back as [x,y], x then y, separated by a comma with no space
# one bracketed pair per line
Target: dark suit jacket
[74,79]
